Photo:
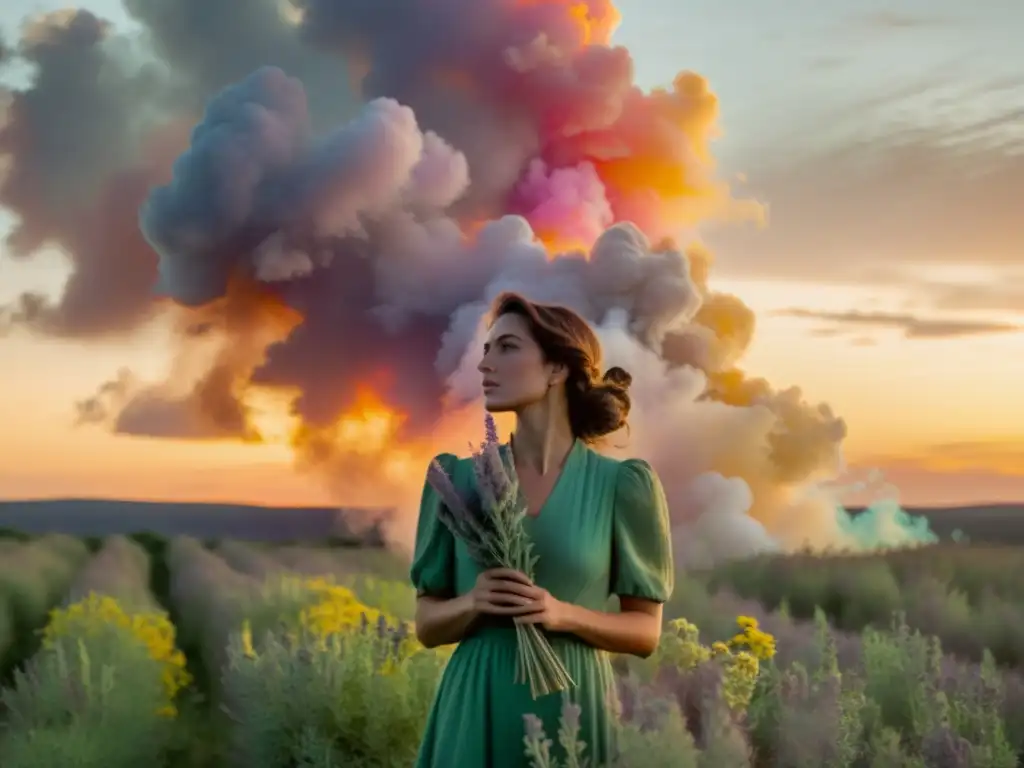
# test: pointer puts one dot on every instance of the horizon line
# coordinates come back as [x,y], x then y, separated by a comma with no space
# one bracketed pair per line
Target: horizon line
[214,503]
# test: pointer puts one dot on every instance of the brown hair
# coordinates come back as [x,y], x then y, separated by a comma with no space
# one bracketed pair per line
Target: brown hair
[598,404]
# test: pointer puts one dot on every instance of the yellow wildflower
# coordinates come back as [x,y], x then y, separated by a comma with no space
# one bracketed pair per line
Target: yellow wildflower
[154,631]
[332,613]
[740,678]
[247,647]
[753,638]
[739,657]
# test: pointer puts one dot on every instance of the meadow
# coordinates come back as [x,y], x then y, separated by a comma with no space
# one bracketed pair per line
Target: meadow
[170,650]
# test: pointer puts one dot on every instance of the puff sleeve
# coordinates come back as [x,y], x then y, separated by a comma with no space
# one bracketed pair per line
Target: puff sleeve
[642,563]
[433,562]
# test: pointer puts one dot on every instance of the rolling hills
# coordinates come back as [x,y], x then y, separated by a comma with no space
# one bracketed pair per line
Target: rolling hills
[994,524]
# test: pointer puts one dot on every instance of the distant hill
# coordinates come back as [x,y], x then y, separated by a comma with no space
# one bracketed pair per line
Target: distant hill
[992,523]
[100,517]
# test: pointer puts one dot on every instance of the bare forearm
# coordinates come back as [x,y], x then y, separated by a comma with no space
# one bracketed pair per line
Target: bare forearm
[633,632]
[443,622]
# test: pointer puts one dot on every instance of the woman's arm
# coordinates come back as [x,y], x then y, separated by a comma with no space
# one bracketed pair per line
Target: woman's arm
[443,622]
[635,630]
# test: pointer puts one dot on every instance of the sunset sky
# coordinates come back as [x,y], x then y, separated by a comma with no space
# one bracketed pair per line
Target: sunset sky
[888,142]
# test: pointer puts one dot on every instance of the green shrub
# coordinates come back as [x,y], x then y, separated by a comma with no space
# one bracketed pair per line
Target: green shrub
[345,700]
[89,703]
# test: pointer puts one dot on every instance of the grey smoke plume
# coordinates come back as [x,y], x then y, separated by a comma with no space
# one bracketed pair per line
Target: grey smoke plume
[99,124]
[73,176]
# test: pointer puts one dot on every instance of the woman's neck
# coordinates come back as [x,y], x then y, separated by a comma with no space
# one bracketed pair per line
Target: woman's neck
[542,438]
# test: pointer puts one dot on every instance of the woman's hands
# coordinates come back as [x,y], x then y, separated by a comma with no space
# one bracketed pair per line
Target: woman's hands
[503,592]
[506,592]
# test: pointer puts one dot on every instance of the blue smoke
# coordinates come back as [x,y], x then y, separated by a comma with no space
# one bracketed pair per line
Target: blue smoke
[884,525]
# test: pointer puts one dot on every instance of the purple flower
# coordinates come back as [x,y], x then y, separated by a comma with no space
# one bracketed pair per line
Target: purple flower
[571,714]
[534,727]
[442,483]
[491,429]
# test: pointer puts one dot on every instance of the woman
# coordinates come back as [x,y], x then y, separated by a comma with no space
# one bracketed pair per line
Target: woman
[599,526]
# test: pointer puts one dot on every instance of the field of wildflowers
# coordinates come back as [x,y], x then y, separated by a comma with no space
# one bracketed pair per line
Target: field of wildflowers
[139,651]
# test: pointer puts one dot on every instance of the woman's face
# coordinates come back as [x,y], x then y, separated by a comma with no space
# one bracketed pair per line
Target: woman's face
[513,368]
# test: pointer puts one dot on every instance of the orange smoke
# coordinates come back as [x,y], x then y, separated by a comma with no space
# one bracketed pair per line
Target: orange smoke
[668,169]
[596,20]
[555,242]
[247,305]
[241,326]
[361,452]
[639,174]
[733,387]
[368,427]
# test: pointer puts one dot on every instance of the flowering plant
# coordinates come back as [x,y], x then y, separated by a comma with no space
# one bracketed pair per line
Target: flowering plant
[492,529]
[95,615]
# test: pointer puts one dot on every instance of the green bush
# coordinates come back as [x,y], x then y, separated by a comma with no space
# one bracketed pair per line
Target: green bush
[88,703]
[347,700]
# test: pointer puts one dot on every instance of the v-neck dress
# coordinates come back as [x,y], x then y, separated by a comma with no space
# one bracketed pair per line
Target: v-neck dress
[603,530]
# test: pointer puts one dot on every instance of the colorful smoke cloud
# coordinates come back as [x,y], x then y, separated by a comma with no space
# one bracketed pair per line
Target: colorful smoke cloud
[362,179]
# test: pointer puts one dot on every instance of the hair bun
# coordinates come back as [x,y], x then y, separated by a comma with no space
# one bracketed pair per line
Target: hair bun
[618,377]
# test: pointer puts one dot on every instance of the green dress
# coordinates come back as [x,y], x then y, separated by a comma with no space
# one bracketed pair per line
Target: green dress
[603,530]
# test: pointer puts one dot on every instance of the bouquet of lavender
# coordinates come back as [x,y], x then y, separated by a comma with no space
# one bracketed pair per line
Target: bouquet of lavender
[493,531]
